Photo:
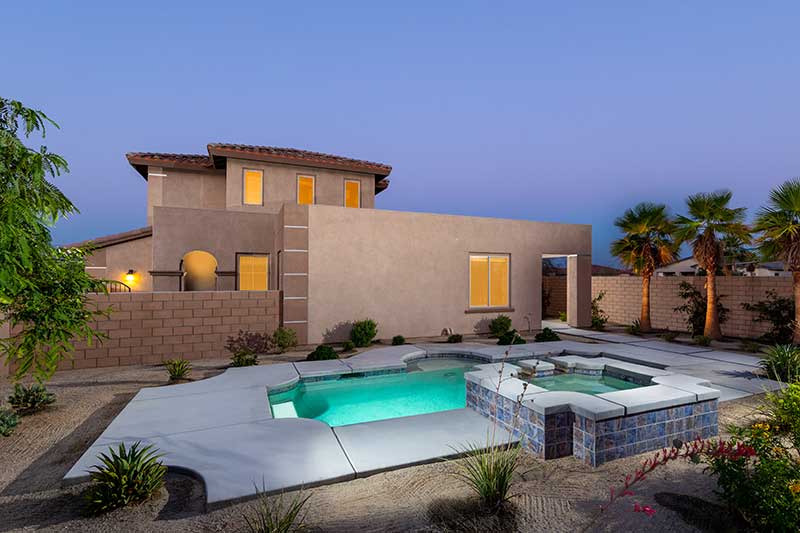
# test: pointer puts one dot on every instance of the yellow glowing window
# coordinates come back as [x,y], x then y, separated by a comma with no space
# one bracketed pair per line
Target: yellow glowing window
[488,281]
[305,189]
[352,193]
[253,187]
[253,272]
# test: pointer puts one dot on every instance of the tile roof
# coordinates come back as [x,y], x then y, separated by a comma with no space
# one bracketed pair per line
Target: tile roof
[116,238]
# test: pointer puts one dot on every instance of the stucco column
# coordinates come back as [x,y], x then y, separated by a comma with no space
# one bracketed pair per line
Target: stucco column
[579,290]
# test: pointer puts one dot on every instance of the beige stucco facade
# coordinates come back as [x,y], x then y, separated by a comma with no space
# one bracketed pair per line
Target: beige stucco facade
[333,265]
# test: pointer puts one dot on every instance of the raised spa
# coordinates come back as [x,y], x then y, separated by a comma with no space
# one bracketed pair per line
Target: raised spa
[587,384]
[428,386]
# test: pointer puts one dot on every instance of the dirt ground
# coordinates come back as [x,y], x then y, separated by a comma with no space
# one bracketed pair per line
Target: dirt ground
[558,495]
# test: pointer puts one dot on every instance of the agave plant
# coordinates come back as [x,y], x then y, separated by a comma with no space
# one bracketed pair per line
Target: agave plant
[178,368]
[125,476]
[27,400]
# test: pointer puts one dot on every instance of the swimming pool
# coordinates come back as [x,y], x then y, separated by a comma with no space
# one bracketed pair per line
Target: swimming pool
[587,384]
[429,385]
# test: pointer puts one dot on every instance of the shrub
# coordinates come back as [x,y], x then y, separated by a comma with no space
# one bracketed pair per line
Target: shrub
[489,473]
[8,421]
[784,410]
[322,353]
[510,337]
[669,336]
[178,368]
[397,340]
[273,515]
[248,342]
[599,317]
[702,340]
[695,308]
[244,359]
[455,338]
[779,312]
[782,362]
[284,338]
[546,335]
[363,332]
[125,476]
[635,328]
[499,325]
[27,400]
[562,316]
[348,346]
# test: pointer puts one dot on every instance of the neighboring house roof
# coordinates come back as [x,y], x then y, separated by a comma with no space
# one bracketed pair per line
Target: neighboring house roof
[116,238]
[219,152]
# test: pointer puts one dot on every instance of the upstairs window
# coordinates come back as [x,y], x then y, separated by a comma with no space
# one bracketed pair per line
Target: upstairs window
[305,190]
[253,187]
[352,193]
[253,272]
[488,280]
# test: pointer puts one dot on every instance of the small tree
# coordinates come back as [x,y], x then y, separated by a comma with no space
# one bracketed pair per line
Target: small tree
[43,289]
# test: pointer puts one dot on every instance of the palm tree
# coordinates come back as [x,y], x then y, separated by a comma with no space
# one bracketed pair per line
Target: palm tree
[779,226]
[711,220]
[647,244]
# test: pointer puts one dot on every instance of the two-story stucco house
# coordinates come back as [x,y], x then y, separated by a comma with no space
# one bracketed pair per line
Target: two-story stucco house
[305,224]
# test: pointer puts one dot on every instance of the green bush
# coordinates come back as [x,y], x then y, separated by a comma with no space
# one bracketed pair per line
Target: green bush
[765,491]
[669,336]
[510,337]
[784,410]
[599,317]
[562,316]
[489,473]
[248,342]
[397,340]
[500,325]
[695,308]
[322,353]
[8,421]
[284,338]
[244,359]
[782,362]
[27,400]
[363,332]
[125,476]
[779,312]
[348,346]
[178,368]
[635,328]
[702,340]
[546,335]
[455,338]
[273,515]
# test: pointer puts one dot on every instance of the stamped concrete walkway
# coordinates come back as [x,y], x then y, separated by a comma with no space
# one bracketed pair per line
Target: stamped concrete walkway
[222,430]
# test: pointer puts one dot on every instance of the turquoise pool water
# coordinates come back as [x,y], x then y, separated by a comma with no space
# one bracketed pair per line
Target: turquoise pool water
[583,383]
[429,386]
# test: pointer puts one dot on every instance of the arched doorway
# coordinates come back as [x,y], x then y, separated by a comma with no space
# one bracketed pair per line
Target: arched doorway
[199,271]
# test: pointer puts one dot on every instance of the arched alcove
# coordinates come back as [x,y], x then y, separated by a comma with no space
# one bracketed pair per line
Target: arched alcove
[199,271]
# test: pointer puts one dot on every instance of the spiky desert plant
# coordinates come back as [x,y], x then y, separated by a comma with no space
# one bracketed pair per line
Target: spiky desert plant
[8,422]
[646,245]
[274,515]
[779,226]
[29,399]
[178,368]
[710,219]
[782,363]
[123,477]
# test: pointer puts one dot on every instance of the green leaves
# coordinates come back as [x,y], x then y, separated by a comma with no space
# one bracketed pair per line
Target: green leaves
[647,241]
[42,289]
[779,225]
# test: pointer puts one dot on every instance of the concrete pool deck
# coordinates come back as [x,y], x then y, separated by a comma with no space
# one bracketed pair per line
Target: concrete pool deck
[221,429]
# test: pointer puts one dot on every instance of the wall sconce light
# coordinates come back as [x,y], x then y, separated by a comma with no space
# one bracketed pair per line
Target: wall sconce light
[130,276]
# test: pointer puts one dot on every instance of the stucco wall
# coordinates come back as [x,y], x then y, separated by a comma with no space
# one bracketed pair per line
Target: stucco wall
[280,185]
[623,299]
[113,262]
[409,271]
[147,328]
[184,188]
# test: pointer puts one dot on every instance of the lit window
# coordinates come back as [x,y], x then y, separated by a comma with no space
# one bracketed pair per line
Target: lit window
[253,187]
[352,193]
[488,281]
[305,189]
[253,272]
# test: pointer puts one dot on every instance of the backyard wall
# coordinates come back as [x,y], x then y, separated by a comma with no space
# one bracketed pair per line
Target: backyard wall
[623,300]
[147,328]
[557,285]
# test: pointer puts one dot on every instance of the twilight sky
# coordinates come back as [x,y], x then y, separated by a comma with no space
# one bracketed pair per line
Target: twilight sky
[541,111]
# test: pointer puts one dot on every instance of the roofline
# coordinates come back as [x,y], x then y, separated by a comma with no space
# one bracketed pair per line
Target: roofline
[140,162]
[115,238]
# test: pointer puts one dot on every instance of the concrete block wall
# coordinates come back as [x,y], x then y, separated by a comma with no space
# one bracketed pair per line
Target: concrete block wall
[148,328]
[557,285]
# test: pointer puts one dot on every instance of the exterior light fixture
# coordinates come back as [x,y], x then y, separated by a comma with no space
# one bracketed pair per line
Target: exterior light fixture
[130,276]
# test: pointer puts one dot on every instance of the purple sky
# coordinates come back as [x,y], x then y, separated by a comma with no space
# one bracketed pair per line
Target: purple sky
[543,112]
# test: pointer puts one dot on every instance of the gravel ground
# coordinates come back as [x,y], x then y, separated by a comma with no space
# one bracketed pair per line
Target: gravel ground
[558,495]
